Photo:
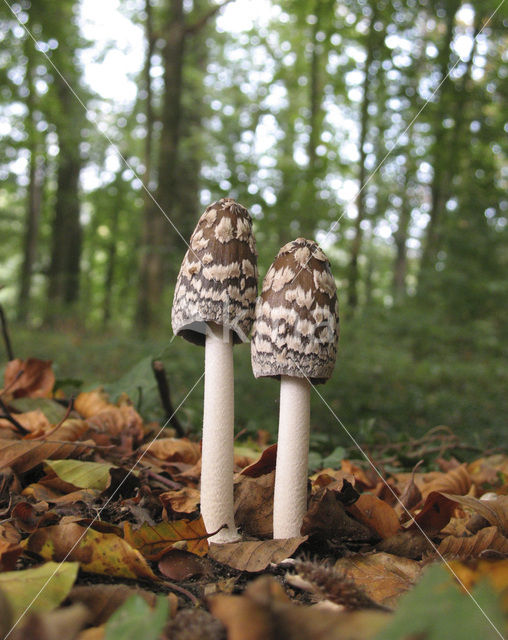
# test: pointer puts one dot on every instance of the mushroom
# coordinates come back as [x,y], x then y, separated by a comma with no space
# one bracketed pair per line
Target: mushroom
[214,305]
[294,339]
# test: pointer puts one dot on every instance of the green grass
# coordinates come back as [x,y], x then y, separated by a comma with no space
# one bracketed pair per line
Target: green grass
[393,379]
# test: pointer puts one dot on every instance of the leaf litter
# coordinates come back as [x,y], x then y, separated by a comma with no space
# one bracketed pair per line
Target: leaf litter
[100,532]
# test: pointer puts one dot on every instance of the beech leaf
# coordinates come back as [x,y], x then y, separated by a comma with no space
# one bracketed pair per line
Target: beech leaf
[43,588]
[103,553]
[135,619]
[154,541]
[84,475]
[254,556]
[23,455]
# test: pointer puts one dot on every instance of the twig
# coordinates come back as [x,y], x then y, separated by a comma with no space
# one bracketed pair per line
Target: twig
[165,396]
[165,481]
[12,382]
[44,436]
[5,333]
[8,416]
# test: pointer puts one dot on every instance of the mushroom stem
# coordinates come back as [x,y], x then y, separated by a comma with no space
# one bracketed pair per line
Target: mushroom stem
[218,435]
[290,496]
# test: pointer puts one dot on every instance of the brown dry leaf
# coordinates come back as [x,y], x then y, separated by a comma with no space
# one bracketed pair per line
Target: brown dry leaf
[174,449]
[376,514]
[36,381]
[49,494]
[103,416]
[253,500]
[382,576]
[103,553]
[435,514]
[494,511]
[180,565]
[490,472]
[23,455]
[270,616]
[102,600]
[457,481]
[28,517]
[254,556]
[9,553]
[409,544]
[154,541]
[184,500]
[473,546]
[265,464]
[494,572]
[327,518]
[90,403]
[33,421]
[63,623]
[361,477]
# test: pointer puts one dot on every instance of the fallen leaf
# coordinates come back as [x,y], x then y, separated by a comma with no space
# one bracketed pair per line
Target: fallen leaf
[180,565]
[33,421]
[376,514]
[184,500]
[409,544]
[490,472]
[101,415]
[327,518]
[36,378]
[435,514]
[61,624]
[9,553]
[42,492]
[270,616]
[84,475]
[457,481]
[362,480]
[135,619]
[437,609]
[174,449]
[27,518]
[488,539]
[23,455]
[263,466]
[494,511]
[382,576]
[43,588]
[253,504]
[103,553]
[154,541]
[254,556]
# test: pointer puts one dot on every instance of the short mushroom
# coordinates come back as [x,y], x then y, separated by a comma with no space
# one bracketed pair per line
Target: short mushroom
[214,305]
[294,339]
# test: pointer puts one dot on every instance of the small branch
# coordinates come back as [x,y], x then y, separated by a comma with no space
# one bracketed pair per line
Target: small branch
[165,396]
[8,416]
[5,333]
[196,26]
[44,436]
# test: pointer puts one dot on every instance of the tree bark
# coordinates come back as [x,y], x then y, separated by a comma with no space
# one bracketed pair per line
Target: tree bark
[356,244]
[34,194]
[64,270]
[442,174]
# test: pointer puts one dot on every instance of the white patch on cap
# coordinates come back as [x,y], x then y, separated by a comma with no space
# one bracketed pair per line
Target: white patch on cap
[224,230]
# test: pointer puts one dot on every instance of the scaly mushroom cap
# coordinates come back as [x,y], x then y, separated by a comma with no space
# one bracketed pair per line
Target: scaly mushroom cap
[218,277]
[297,324]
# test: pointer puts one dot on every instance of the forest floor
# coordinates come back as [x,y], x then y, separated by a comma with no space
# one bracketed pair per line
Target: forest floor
[101,535]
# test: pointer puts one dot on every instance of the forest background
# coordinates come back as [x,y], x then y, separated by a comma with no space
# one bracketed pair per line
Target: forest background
[376,127]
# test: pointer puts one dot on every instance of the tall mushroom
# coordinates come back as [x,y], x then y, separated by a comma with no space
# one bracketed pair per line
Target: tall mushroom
[295,340]
[214,306]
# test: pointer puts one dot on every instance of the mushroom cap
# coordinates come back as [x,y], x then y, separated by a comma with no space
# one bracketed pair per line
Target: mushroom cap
[297,323]
[217,282]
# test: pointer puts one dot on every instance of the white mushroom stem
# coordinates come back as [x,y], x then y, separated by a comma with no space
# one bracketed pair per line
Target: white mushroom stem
[218,437]
[290,496]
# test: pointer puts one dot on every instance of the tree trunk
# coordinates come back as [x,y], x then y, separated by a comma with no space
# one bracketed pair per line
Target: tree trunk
[34,194]
[111,251]
[356,245]
[64,270]
[160,238]
[442,173]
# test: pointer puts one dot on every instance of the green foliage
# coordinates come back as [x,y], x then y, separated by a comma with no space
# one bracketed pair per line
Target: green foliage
[436,608]
[135,619]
